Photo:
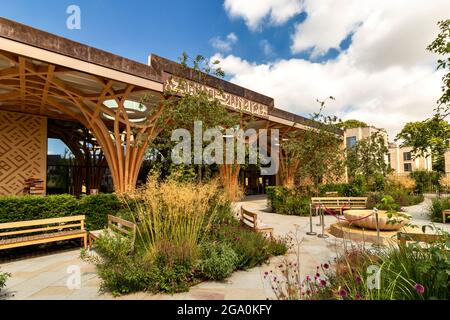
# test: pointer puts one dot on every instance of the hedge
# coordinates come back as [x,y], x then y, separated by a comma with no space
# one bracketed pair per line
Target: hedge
[287,201]
[96,208]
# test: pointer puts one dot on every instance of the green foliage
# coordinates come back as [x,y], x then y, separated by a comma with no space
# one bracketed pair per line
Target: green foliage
[124,271]
[188,107]
[388,203]
[403,197]
[321,155]
[251,247]
[368,158]
[411,272]
[349,124]
[356,188]
[441,46]
[95,207]
[288,201]
[218,260]
[225,246]
[426,181]
[430,137]
[3,278]
[437,206]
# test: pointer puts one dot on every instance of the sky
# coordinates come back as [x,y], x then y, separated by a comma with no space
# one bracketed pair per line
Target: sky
[368,54]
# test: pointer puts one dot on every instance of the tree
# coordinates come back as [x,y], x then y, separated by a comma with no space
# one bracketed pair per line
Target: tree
[368,158]
[349,124]
[315,154]
[430,137]
[441,46]
[190,106]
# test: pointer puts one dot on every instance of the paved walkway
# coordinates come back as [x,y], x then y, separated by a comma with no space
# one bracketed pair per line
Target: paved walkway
[46,277]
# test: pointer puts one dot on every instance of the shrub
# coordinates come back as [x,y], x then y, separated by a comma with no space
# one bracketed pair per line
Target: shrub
[198,239]
[288,201]
[218,260]
[403,197]
[374,199]
[407,273]
[356,188]
[444,182]
[3,277]
[404,182]
[411,272]
[94,207]
[426,181]
[437,206]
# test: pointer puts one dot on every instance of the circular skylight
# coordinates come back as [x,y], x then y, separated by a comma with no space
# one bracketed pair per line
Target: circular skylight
[136,111]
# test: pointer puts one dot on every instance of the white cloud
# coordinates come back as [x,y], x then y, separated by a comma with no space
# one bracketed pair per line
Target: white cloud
[255,12]
[385,78]
[266,47]
[224,45]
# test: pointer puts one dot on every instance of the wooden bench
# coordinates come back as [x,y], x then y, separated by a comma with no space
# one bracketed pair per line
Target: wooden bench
[115,226]
[250,219]
[418,237]
[445,214]
[27,233]
[338,204]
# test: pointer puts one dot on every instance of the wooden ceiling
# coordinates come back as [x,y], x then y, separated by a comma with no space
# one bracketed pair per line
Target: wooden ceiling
[35,87]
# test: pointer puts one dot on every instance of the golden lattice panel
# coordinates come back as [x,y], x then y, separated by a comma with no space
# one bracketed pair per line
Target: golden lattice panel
[23,150]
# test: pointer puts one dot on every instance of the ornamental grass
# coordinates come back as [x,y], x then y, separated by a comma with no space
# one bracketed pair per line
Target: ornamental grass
[173,217]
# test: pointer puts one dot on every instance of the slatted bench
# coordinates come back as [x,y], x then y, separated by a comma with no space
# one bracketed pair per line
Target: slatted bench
[445,214]
[338,204]
[27,233]
[419,237]
[250,219]
[115,226]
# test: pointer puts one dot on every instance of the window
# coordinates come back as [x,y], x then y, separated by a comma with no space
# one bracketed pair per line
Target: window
[407,167]
[406,156]
[351,141]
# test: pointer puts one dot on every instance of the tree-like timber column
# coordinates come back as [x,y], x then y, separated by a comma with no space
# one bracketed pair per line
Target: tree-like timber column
[124,150]
[229,176]
[64,94]
[289,156]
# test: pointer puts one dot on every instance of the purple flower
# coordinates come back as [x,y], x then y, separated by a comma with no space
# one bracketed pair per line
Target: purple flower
[420,289]
[326,266]
[266,273]
[343,293]
[317,275]
[358,280]
[323,283]
[357,296]
[308,278]
[237,238]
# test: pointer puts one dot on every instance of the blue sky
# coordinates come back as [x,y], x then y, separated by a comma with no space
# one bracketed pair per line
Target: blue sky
[370,55]
[134,29]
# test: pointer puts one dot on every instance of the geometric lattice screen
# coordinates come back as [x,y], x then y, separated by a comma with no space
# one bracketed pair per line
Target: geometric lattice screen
[23,150]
